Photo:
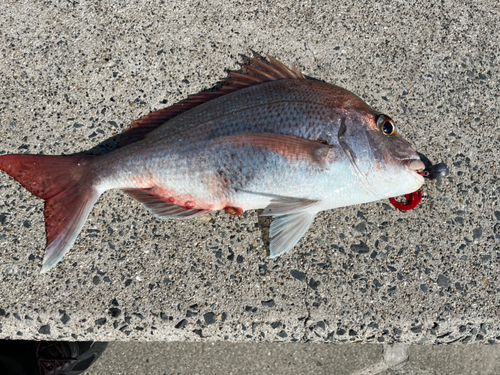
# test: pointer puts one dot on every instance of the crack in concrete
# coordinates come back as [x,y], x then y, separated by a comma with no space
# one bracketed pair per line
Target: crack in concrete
[308,317]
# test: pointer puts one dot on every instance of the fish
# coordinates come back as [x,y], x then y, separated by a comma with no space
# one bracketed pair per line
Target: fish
[269,139]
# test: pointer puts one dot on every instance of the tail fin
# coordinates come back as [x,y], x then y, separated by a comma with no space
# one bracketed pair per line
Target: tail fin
[65,183]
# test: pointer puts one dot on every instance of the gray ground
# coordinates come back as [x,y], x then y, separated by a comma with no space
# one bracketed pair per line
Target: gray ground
[290,359]
[74,74]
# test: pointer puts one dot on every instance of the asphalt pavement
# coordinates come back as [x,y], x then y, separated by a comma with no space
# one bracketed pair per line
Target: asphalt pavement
[178,358]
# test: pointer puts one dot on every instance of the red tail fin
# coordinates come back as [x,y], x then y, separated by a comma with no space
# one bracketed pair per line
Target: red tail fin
[66,185]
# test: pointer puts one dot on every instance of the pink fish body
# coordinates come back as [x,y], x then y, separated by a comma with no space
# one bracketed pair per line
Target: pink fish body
[270,140]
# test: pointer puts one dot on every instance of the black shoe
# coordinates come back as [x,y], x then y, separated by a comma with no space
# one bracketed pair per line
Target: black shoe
[67,358]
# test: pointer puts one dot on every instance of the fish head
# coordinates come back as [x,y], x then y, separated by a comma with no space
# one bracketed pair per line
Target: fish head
[386,163]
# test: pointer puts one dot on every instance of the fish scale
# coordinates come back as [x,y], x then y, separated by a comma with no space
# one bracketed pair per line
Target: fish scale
[300,111]
[220,118]
[269,140]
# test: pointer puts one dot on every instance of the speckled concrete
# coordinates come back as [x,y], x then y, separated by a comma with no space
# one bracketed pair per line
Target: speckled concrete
[75,74]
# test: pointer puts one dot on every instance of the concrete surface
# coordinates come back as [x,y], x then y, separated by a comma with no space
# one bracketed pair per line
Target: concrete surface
[123,358]
[74,74]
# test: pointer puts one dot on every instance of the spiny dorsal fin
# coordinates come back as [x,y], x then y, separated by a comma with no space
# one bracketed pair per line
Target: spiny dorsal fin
[259,73]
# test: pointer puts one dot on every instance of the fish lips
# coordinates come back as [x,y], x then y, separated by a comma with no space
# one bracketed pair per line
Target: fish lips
[415,166]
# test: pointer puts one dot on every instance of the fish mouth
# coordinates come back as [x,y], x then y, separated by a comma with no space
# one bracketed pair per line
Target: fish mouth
[416,168]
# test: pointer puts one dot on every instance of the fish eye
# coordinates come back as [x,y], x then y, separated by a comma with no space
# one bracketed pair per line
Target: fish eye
[386,125]
[388,128]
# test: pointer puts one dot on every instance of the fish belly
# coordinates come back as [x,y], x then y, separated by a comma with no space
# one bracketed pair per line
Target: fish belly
[333,187]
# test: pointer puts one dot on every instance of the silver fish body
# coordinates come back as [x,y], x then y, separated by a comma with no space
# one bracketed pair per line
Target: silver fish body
[204,163]
[291,146]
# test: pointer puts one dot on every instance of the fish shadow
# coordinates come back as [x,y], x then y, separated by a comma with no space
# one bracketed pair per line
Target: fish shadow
[264,223]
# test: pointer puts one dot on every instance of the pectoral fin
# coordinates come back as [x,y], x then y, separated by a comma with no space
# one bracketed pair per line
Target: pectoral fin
[288,146]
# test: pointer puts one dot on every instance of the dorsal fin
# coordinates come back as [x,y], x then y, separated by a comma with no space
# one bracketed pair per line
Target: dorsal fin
[259,73]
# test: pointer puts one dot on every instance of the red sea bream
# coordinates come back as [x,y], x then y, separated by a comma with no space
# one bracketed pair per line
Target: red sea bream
[269,139]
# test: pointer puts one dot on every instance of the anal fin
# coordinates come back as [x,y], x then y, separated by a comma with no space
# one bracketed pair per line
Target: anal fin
[162,208]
